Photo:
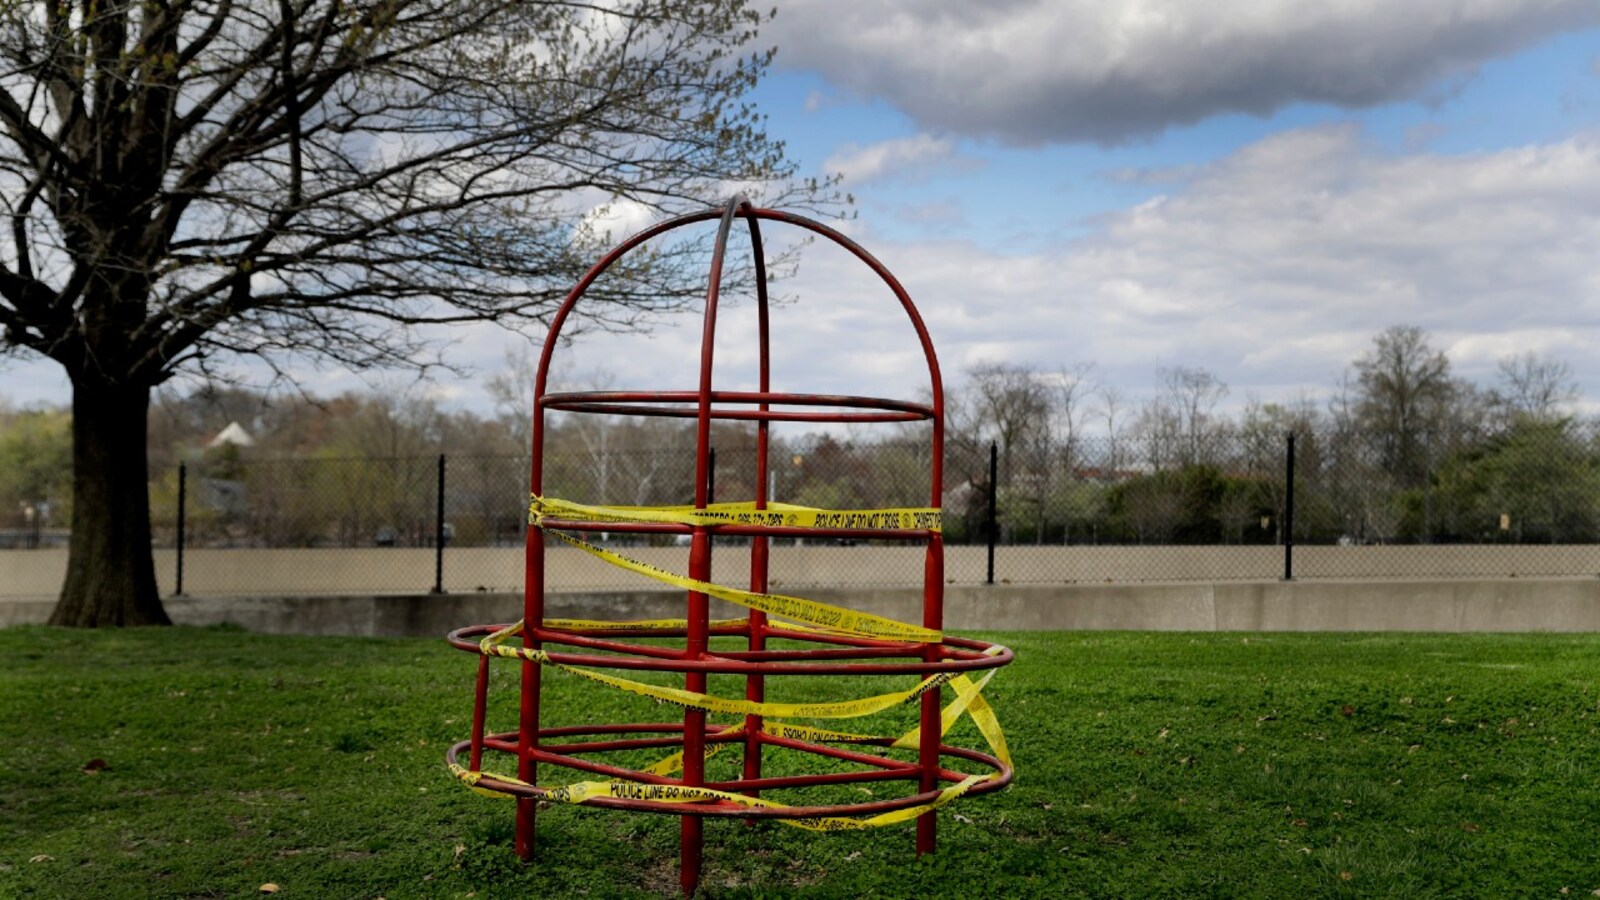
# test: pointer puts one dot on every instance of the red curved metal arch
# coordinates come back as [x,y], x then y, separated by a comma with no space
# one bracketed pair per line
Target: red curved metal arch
[831,655]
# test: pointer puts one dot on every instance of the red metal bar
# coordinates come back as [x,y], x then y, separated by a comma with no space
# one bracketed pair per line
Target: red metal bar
[763,398]
[533,615]
[928,739]
[691,829]
[506,743]
[750,415]
[1001,778]
[480,703]
[719,528]
[727,663]
[755,686]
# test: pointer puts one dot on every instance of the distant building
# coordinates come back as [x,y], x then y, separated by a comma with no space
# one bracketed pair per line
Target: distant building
[233,435]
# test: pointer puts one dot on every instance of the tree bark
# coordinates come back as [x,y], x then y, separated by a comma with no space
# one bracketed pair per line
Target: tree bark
[111,576]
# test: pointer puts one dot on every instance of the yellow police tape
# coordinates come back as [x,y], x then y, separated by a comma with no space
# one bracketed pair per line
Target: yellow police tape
[581,791]
[815,617]
[493,646]
[788,515]
[969,700]
[811,612]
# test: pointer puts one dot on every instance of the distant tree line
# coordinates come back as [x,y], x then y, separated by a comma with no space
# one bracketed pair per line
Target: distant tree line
[1402,450]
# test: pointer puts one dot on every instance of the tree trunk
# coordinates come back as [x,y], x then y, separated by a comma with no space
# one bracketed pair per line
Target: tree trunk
[111,576]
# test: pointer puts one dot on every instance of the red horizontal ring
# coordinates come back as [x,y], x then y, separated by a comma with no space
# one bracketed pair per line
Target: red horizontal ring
[461,639]
[646,403]
[731,810]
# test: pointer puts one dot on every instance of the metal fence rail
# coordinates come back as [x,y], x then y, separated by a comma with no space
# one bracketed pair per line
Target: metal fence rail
[1521,502]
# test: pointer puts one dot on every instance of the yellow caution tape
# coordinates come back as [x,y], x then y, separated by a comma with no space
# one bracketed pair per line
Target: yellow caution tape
[811,612]
[813,616]
[968,700]
[674,762]
[582,791]
[774,514]
[848,709]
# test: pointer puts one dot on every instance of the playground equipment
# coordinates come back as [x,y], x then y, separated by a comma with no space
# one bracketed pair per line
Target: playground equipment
[781,636]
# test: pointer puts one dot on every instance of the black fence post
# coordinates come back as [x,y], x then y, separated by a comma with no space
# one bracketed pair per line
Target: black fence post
[992,528]
[1427,487]
[711,476]
[1288,511]
[438,534]
[183,485]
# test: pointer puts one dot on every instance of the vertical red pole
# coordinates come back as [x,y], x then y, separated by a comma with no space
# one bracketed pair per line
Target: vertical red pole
[929,737]
[533,606]
[480,702]
[691,829]
[755,687]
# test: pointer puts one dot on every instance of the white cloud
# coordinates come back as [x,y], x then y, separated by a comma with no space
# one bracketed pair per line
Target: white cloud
[897,158]
[618,219]
[1273,267]
[1106,70]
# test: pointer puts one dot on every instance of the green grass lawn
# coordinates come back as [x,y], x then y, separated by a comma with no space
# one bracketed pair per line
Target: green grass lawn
[1149,765]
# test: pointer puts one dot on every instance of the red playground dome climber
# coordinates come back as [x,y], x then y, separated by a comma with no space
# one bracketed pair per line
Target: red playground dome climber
[785,636]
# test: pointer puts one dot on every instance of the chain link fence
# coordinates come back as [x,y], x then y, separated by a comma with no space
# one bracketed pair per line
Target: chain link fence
[1523,502]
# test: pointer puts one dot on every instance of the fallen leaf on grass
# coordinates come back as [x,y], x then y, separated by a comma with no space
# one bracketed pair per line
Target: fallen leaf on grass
[960,818]
[94,766]
[1470,828]
[269,888]
[1347,711]
[43,857]
[1345,876]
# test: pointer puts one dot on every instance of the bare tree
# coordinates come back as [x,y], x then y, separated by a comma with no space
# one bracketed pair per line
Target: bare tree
[1110,407]
[1262,436]
[187,180]
[1534,386]
[1073,387]
[1159,432]
[1011,405]
[511,389]
[1192,394]
[1404,391]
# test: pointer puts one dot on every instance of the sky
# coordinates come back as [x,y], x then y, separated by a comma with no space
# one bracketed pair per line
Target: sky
[1254,187]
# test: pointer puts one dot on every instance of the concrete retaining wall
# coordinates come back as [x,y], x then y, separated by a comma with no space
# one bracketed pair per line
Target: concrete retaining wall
[304,572]
[1508,605]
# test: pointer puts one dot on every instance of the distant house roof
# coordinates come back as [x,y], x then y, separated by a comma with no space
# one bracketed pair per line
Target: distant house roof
[234,434]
